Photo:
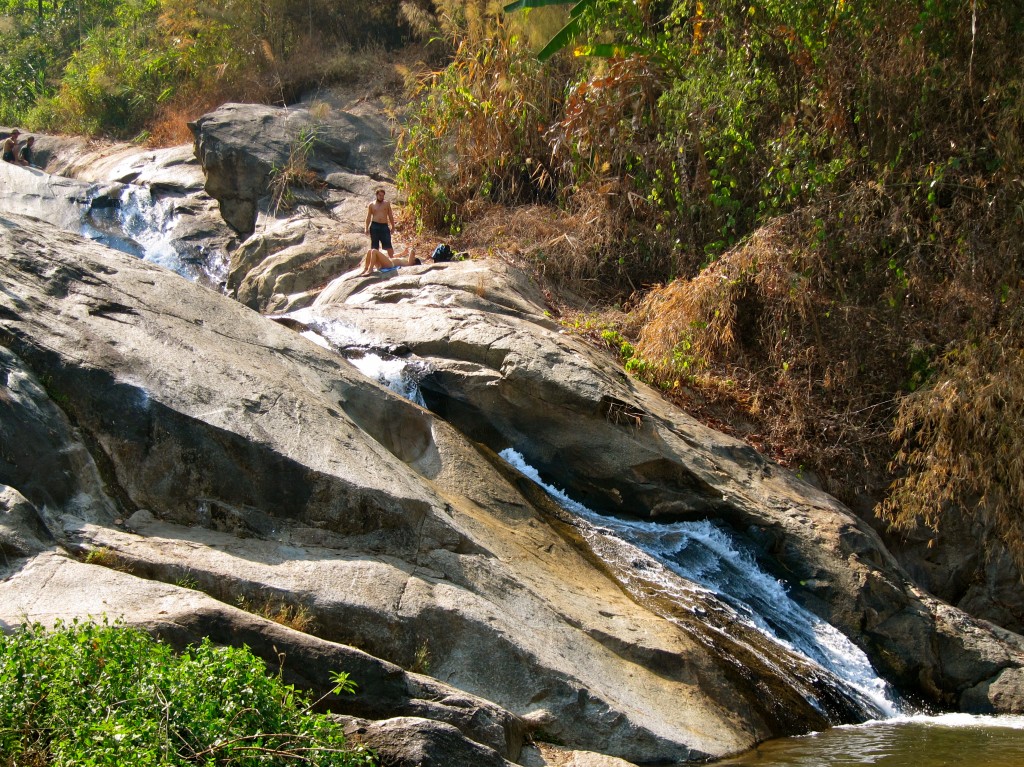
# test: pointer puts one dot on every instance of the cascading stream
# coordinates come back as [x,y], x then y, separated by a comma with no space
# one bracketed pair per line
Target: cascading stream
[697,563]
[141,224]
[692,564]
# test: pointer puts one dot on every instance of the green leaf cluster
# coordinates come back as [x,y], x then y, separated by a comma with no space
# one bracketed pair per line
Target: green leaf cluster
[100,694]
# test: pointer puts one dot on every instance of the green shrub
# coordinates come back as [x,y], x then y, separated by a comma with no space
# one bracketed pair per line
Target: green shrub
[90,694]
[474,135]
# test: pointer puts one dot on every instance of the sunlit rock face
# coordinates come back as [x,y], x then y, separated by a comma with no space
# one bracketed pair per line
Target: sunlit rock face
[294,243]
[194,441]
[505,375]
[269,467]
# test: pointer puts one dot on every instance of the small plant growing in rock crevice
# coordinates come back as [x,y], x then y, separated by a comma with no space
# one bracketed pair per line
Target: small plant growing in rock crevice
[295,173]
[293,616]
[421,660]
[105,557]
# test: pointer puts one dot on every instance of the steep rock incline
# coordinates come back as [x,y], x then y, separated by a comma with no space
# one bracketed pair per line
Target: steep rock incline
[505,376]
[189,439]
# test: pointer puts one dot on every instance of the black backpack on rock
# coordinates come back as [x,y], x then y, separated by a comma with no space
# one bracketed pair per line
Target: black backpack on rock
[442,252]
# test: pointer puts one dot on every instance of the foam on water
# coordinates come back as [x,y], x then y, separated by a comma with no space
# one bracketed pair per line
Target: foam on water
[951,720]
[332,333]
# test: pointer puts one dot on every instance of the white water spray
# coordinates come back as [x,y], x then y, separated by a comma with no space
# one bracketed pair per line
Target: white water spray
[142,225]
[399,374]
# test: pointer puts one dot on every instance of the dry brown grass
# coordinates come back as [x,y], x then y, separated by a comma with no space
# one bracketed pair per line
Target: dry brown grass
[562,249]
[293,616]
[169,126]
[755,346]
[962,443]
[526,234]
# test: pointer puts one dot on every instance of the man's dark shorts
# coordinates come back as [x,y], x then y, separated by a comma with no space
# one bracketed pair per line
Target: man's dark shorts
[380,236]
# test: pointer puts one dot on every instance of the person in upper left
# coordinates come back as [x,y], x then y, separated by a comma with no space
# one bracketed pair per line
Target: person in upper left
[10,147]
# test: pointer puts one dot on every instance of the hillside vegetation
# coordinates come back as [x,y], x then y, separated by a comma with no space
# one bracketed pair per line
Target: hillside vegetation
[810,212]
[142,68]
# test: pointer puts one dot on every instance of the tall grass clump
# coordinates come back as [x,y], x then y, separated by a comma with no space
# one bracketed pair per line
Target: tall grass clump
[92,694]
[476,132]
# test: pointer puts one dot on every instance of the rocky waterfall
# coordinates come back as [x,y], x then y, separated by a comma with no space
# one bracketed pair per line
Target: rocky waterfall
[532,545]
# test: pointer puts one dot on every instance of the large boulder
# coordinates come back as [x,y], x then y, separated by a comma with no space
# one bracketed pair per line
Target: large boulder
[285,263]
[952,565]
[242,146]
[295,244]
[506,377]
[417,742]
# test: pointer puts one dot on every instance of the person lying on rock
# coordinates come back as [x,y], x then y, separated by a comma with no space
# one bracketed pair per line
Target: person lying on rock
[378,260]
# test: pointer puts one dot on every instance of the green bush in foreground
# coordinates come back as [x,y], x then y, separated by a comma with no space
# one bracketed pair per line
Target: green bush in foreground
[90,694]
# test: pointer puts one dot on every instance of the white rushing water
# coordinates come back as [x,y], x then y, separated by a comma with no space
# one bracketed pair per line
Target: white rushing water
[951,720]
[399,374]
[141,224]
[707,557]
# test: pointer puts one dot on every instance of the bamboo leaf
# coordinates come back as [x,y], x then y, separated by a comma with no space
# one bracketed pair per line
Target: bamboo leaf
[563,38]
[519,5]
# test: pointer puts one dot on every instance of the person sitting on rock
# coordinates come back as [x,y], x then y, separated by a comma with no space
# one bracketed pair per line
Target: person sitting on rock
[10,147]
[25,155]
[378,260]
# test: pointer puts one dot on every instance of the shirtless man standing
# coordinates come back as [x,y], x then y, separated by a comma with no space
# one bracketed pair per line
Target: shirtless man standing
[380,220]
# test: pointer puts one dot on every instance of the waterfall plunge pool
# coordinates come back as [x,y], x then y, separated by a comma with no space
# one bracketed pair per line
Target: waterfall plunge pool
[946,740]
